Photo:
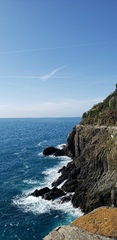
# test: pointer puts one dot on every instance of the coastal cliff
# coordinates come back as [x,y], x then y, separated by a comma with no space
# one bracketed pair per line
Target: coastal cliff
[91,177]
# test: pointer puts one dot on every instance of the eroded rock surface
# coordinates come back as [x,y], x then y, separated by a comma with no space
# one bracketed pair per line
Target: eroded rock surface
[100,224]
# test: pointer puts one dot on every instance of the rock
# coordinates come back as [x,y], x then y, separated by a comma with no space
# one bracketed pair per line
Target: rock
[49,151]
[97,225]
[102,221]
[55,151]
[40,192]
[72,232]
[53,194]
[70,185]
[60,180]
[65,172]
[66,199]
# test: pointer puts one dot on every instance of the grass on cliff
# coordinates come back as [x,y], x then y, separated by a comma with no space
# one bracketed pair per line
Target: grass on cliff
[103,113]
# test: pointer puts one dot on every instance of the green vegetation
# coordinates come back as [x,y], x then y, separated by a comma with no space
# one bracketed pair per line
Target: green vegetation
[104,113]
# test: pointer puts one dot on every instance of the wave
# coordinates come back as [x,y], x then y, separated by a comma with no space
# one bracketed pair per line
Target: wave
[31,182]
[52,174]
[60,146]
[42,143]
[38,205]
[40,154]
[41,206]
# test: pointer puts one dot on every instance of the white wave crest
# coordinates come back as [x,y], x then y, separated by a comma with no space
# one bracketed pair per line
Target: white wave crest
[41,144]
[37,205]
[52,174]
[31,182]
[60,146]
[40,206]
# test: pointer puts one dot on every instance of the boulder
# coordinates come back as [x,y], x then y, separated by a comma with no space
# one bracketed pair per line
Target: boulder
[55,151]
[40,192]
[53,194]
[49,151]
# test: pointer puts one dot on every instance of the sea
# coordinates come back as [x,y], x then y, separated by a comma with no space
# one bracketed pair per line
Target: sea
[23,168]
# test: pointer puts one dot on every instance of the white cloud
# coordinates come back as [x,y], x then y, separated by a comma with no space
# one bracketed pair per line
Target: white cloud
[65,108]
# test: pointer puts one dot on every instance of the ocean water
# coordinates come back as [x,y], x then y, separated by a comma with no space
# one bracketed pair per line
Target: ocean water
[23,168]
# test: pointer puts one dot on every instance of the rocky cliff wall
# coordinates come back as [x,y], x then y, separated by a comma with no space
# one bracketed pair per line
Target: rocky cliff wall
[92,175]
[94,144]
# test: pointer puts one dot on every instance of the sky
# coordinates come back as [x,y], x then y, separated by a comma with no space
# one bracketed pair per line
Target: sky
[57,58]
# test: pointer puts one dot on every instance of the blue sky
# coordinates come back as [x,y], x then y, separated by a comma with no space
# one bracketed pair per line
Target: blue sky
[57,58]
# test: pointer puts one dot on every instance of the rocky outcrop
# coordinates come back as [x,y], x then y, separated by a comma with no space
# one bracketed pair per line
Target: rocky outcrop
[41,192]
[98,225]
[54,151]
[92,175]
[48,194]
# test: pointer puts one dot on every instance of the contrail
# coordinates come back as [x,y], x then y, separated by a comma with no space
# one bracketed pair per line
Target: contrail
[49,75]
[43,78]
[51,48]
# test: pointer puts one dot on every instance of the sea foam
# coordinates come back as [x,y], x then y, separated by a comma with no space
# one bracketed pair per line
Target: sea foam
[38,205]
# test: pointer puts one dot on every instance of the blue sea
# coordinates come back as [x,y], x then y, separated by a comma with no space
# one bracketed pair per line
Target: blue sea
[23,168]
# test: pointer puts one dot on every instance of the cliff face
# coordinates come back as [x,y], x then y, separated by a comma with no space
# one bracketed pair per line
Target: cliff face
[94,152]
[92,175]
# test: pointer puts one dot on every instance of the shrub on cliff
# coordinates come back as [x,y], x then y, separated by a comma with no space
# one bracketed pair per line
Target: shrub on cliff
[104,113]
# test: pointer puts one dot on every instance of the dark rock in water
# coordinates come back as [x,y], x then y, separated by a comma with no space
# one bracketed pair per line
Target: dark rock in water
[49,151]
[40,192]
[59,152]
[55,151]
[53,194]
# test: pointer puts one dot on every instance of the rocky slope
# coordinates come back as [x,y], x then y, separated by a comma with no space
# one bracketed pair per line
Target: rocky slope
[92,175]
[97,225]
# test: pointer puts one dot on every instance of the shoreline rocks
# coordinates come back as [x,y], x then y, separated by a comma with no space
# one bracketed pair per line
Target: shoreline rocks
[54,151]
[48,194]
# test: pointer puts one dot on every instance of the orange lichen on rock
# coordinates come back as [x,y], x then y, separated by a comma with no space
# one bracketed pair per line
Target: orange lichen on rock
[102,221]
